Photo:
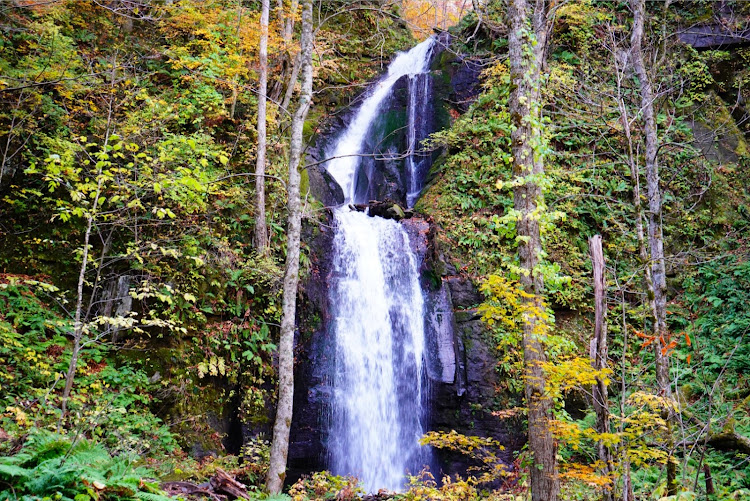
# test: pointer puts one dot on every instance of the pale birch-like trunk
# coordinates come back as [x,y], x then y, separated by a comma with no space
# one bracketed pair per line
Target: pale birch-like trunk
[642,252]
[261,229]
[78,328]
[526,47]
[655,229]
[289,62]
[280,444]
[653,193]
[599,357]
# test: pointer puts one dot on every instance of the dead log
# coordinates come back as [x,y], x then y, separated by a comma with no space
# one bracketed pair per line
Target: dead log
[219,488]
[598,353]
[223,482]
[729,441]
[187,489]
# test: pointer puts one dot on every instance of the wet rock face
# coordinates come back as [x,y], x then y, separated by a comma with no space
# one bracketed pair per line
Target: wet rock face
[322,184]
[452,84]
[440,328]
[463,292]
[714,36]
[460,363]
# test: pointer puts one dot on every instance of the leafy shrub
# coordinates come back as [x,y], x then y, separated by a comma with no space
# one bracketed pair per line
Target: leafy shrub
[324,485]
[111,401]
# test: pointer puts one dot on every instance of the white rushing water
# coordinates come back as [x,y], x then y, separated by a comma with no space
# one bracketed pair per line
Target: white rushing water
[345,157]
[379,328]
[378,308]
[419,101]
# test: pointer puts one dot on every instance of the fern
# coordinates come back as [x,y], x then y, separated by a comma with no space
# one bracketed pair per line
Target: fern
[53,466]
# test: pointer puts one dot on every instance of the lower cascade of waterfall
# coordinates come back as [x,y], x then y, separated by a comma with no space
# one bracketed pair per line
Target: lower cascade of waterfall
[379,328]
[379,380]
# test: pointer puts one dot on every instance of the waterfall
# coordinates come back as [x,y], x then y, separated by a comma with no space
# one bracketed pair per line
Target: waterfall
[378,309]
[418,130]
[348,147]
[379,326]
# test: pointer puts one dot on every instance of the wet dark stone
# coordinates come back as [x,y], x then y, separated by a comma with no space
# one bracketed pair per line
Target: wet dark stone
[463,291]
[714,36]
[323,186]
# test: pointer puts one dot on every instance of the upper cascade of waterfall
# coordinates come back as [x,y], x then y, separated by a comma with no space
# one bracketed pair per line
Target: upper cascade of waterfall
[345,152]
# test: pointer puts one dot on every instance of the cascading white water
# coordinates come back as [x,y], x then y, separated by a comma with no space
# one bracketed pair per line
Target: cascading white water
[379,326]
[378,311]
[345,159]
[419,101]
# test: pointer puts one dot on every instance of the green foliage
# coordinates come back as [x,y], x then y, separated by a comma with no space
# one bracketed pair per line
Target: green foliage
[466,202]
[155,122]
[589,182]
[716,298]
[30,334]
[471,199]
[112,400]
[52,466]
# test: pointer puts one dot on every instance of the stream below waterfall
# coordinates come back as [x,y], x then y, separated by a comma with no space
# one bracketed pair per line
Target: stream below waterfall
[379,381]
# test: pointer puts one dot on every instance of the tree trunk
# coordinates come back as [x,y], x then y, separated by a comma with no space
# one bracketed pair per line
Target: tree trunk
[653,192]
[655,230]
[289,21]
[710,491]
[280,444]
[627,494]
[261,229]
[290,89]
[599,356]
[77,319]
[526,56]
[289,62]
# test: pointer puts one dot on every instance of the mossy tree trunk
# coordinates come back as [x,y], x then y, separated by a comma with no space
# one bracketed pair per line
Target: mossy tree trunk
[526,45]
[655,229]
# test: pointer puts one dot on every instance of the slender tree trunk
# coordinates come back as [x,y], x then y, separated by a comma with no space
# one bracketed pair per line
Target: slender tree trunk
[710,491]
[280,444]
[655,229]
[599,356]
[635,175]
[261,229]
[289,62]
[643,256]
[290,88]
[289,21]
[653,191]
[526,56]
[78,330]
[78,317]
